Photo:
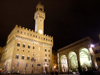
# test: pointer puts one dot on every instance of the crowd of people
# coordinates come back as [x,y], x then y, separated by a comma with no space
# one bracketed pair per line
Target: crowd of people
[54,72]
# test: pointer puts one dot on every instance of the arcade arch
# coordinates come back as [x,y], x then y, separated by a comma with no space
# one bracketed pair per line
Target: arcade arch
[85,58]
[73,63]
[64,64]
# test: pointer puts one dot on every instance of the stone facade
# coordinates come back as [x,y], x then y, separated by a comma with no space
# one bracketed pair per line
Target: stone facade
[28,51]
[73,52]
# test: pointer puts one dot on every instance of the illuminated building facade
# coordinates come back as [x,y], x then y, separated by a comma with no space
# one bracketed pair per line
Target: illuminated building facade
[79,52]
[28,51]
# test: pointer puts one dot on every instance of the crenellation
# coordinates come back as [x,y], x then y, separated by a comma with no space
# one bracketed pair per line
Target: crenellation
[26,28]
[16,25]
[23,27]
[19,26]
[46,37]
[29,29]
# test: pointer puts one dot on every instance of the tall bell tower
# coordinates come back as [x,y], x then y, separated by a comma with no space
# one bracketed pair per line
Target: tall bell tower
[39,18]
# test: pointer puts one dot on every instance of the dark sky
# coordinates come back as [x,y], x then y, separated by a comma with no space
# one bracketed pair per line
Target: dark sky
[66,20]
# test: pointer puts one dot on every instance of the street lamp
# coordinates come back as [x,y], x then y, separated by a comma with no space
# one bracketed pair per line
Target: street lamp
[54,67]
[91,49]
[92,45]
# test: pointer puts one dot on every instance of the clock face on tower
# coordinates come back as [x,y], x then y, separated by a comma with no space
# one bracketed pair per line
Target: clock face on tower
[40,31]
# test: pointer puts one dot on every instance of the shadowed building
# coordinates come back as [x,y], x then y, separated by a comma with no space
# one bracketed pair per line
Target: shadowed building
[54,60]
[79,52]
[0,56]
[96,48]
[0,51]
[28,51]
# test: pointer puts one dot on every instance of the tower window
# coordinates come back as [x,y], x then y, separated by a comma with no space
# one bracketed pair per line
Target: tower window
[33,35]
[41,9]
[28,46]
[45,50]
[48,50]
[18,44]
[33,47]
[49,60]
[45,54]
[18,31]
[28,58]
[23,45]
[17,56]
[45,60]
[49,55]
[44,38]
[23,57]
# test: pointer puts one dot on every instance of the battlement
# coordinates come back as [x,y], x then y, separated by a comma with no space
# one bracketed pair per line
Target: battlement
[20,27]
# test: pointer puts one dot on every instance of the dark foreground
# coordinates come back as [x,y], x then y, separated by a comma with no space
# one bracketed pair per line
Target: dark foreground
[37,74]
[51,74]
[85,73]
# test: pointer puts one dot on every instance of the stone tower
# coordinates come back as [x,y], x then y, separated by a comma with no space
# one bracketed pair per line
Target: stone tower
[39,18]
[26,51]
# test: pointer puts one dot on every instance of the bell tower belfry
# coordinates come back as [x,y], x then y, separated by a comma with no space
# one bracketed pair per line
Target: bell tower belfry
[39,18]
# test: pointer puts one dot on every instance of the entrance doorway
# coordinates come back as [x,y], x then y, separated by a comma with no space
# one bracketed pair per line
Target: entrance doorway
[46,69]
[64,65]
[85,58]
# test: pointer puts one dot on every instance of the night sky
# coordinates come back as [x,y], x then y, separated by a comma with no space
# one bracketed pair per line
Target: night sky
[66,20]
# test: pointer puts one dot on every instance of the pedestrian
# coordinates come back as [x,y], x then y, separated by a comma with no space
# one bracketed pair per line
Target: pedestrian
[44,72]
[56,72]
[52,72]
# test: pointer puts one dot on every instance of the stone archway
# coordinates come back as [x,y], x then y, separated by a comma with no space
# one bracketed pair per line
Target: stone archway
[85,58]
[73,63]
[64,64]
